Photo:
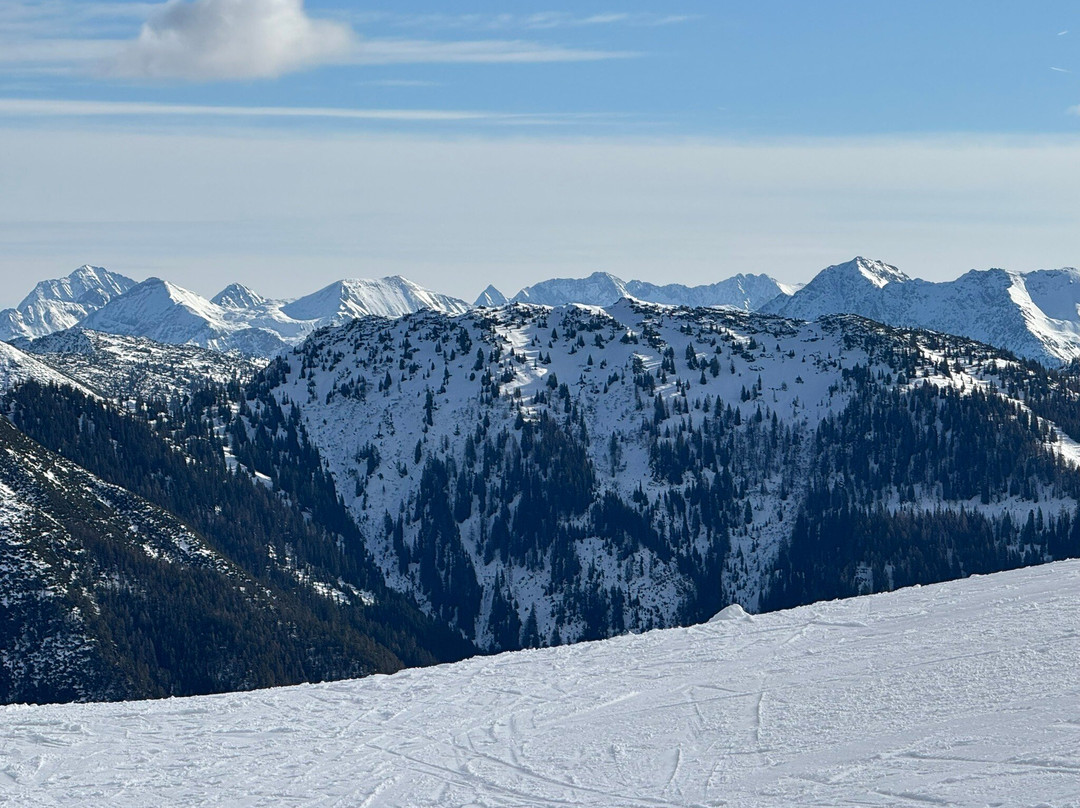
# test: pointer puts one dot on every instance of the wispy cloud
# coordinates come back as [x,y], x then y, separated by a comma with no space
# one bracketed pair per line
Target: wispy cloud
[1060,70]
[506,21]
[481,51]
[63,108]
[66,21]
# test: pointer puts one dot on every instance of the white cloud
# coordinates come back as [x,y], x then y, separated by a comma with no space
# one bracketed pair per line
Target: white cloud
[221,40]
[231,39]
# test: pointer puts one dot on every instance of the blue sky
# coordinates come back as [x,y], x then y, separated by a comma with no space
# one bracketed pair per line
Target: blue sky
[462,144]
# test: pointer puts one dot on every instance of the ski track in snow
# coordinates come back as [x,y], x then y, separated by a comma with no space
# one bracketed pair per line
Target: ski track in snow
[962,693]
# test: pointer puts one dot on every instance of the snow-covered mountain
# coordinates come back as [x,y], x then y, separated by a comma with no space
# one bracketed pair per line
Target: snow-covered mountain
[122,368]
[746,292]
[491,297]
[961,694]
[57,304]
[135,562]
[238,319]
[1035,315]
[537,476]
[55,518]
[164,312]
[238,296]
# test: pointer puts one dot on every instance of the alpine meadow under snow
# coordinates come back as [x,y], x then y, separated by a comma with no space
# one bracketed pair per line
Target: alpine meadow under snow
[961,694]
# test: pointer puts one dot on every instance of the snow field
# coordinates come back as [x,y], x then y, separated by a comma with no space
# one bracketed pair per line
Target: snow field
[962,693]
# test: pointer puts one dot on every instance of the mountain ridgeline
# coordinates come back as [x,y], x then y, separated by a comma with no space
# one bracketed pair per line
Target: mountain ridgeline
[1035,315]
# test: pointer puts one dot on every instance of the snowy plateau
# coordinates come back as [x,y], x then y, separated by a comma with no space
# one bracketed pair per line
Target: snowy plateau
[960,694]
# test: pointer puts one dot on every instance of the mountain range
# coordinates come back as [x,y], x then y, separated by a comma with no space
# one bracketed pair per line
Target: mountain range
[745,292]
[1035,315]
[413,489]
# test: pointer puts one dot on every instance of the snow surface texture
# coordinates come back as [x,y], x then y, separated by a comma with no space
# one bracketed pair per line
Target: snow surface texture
[1035,315]
[961,694]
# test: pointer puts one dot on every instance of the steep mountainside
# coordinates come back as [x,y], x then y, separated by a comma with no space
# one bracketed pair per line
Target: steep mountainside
[746,292]
[536,476]
[136,564]
[54,305]
[164,312]
[1033,314]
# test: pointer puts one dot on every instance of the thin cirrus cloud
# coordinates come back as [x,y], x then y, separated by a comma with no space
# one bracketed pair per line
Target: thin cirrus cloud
[212,40]
[535,21]
[63,108]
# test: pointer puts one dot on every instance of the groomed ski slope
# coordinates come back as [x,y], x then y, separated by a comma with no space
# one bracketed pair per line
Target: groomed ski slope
[965,693]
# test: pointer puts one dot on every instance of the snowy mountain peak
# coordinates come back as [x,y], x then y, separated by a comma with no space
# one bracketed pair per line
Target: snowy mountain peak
[87,284]
[491,297]
[60,303]
[878,273]
[161,311]
[1033,314]
[392,296]
[238,296]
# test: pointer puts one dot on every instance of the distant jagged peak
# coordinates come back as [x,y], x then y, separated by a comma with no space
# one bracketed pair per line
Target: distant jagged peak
[746,292]
[598,289]
[491,297]
[238,296]
[86,284]
[878,273]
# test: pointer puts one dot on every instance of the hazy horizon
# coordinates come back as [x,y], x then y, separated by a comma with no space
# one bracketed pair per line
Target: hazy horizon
[285,144]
